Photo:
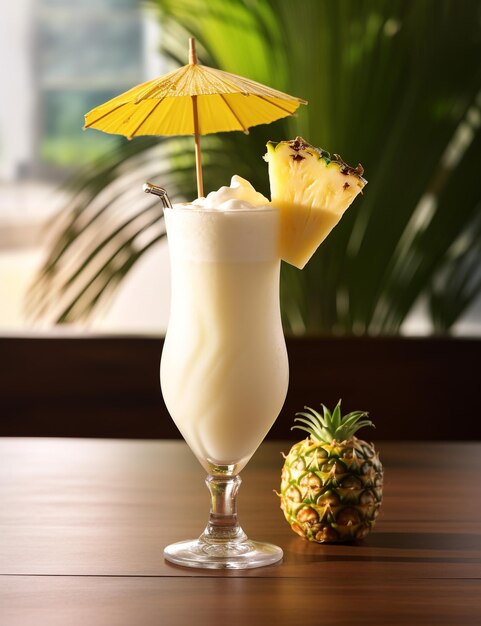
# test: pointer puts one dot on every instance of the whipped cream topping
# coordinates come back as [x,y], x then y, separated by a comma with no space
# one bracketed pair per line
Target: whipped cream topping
[238,225]
[241,195]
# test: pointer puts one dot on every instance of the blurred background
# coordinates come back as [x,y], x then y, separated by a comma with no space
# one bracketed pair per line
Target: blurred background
[393,84]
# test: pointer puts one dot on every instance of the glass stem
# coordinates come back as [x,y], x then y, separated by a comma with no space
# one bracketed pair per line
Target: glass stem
[223,525]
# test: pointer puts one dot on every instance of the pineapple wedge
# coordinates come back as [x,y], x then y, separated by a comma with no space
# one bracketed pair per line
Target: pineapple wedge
[311,190]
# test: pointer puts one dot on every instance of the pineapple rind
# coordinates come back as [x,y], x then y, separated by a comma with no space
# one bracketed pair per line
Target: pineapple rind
[336,500]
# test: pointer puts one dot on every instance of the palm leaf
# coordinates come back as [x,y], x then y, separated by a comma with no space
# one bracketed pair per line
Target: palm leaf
[405,132]
[103,221]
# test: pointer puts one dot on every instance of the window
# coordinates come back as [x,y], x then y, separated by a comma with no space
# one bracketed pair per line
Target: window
[60,58]
[85,53]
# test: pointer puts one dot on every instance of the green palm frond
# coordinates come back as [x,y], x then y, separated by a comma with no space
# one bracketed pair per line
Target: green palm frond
[104,230]
[458,283]
[406,96]
[395,85]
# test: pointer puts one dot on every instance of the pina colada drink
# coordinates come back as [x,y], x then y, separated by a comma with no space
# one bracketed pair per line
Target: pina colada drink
[224,368]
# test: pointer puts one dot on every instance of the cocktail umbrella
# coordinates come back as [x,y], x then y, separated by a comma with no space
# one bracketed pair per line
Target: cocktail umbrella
[192,100]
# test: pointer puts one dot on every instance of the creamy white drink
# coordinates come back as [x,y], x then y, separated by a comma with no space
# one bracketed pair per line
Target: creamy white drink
[224,368]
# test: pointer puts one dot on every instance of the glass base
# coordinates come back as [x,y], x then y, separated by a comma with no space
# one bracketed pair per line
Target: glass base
[228,555]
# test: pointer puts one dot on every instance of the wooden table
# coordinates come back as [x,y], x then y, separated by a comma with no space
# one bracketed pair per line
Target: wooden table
[83,524]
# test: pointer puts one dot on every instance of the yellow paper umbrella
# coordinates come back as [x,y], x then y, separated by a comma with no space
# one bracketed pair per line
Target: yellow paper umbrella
[192,100]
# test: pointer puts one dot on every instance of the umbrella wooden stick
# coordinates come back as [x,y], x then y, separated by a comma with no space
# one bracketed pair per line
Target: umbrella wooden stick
[198,154]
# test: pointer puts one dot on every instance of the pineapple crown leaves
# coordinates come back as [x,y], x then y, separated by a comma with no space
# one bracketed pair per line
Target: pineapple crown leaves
[330,427]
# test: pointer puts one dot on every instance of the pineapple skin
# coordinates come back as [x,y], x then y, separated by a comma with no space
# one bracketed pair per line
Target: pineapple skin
[332,492]
[312,190]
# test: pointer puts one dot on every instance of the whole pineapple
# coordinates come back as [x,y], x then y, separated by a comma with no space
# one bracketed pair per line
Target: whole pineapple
[331,487]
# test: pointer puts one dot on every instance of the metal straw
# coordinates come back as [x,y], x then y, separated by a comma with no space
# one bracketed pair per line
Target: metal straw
[160,192]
